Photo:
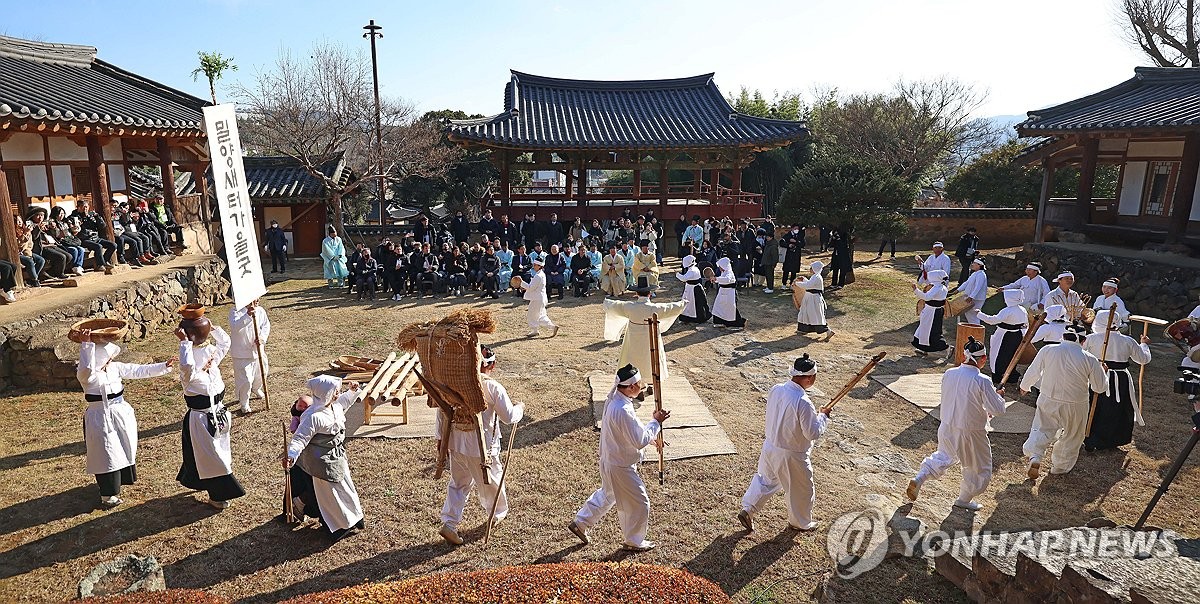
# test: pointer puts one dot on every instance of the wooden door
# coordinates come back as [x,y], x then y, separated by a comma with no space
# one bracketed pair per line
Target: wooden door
[308,231]
[16,190]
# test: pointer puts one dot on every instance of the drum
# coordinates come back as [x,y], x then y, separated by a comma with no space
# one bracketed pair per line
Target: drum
[797,295]
[1027,354]
[957,305]
[515,282]
[1184,334]
[921,303]
[708,273]
[964,331]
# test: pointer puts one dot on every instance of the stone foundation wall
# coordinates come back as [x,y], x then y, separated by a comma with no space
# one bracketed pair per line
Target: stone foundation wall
[36,353]
[996,227]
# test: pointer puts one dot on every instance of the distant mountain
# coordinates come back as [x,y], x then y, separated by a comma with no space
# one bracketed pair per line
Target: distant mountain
[1006,123]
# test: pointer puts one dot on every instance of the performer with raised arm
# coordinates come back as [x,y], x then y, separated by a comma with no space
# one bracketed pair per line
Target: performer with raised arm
[110,431]
[247,349]
[622,438]
[1011,323]
[1067,374]
[928,337]
[810,318]
[1064,296]
[937,261]
[1033,287]
[1116,407]
[784,464]
[975,290]
[969,399]
[318,448]
[626,321]
[535,293]
[207,456]
[696,302]
[466,468]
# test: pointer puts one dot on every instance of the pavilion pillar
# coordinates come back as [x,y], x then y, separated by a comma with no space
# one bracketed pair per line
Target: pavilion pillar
[737,182]
[637,183]
[1044,200]
[505,180]
[1087,182]
[167,169]
[101,196]
[714,183]
[697,183]
[205,210]
[570,180]
[582,183]
[1185,188]
[664,192]
[8,230]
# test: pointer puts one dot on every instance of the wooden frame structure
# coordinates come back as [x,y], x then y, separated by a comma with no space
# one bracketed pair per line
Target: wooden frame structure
[1149,126]
[573,126]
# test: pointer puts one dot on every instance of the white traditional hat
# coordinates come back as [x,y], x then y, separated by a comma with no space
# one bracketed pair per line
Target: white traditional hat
[1013,297]
[817,267]
[688,261]
[1056,312]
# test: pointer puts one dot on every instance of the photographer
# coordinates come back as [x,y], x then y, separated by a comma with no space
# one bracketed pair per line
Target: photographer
[968,248]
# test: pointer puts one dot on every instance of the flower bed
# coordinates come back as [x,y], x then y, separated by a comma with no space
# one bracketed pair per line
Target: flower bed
[565,583]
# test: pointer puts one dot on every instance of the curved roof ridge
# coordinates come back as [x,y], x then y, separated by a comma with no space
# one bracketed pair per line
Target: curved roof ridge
[78,55]
[658,84]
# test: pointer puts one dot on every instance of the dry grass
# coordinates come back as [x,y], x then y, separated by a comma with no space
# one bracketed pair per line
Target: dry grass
[50,535]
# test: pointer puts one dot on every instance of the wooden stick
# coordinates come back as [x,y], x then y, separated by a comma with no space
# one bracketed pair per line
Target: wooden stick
[652,325]
[849,385]
[1142,371]
[512,438]
[1112,312]
[435,395]
[262,368]
[485,456]
[289,512]
[1025,341]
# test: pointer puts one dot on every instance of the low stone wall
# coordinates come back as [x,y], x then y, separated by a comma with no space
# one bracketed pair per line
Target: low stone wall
[36,354]
[997,227]
[1159,285]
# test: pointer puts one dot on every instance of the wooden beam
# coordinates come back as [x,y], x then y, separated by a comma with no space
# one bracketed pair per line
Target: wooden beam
[637,183]
[8,229]
[101,198]
[583,179]
[168,175]
[570,180]
[1044,199]
[1087,182]
[663,191]
[1185,189]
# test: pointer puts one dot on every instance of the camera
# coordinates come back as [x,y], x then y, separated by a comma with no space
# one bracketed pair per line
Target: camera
[1188,383]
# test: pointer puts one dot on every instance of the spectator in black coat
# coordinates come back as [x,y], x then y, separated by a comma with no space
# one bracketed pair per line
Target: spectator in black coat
[276,246]
[488,226]
[91,235]
[555,232]
[680,226]
[532,231]
[507,231]
[968,248]
[489,271]
[791,244]
[423,232]
[460,228]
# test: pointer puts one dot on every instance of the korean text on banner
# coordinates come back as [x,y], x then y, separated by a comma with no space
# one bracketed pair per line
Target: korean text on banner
[233,200]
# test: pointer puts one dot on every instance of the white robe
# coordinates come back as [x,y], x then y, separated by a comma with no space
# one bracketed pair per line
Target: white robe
[1034,290]
[1067,375]
[968,398]
[1187,361]
[1103,302]
[784,464]
[466,467]
[200,374]
[812,306]
[626,321]
[622,438]
[109,426]
[689,291]
[1069,300]
[1121,349]
[1013,315]
[937,292]
[247,377]
[338,501]
[935,263]
[975,288]
[725,304]
[1051,332]
[535,293]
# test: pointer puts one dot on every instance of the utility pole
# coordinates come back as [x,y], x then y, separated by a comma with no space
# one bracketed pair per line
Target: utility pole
[376,31]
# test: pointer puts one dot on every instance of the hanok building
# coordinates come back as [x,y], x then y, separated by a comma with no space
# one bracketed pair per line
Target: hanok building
[281,189]
[72,126]
[572,126]
[1150,127]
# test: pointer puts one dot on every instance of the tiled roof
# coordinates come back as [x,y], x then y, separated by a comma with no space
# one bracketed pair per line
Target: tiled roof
[684,113]
[284,178]
[1156,97]
[143,184]
[67,83]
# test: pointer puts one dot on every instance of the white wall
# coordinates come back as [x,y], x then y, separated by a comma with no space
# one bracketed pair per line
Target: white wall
[113,151]
[1133,179]
[36,184]
[62,180]
[116,177]
[1155,149]
[23,146]
[62,148]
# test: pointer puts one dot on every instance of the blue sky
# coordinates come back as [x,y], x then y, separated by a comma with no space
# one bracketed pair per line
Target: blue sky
[1026,53]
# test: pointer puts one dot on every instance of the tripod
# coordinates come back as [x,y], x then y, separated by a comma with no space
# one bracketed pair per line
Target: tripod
[1170,477]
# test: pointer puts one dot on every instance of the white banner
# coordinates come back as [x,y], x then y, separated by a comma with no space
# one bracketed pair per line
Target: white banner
[233,200]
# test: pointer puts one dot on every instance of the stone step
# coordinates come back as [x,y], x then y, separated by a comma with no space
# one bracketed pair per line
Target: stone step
[50,285]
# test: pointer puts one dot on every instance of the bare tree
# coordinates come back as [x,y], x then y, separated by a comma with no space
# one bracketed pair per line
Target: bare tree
[1164,29]
[310,110]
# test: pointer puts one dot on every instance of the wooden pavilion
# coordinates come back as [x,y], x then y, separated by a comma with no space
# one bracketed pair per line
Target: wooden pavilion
[573,126]
[72,126]
[1149,126]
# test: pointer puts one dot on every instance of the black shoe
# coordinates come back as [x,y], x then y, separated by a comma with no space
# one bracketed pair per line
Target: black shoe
[135,263]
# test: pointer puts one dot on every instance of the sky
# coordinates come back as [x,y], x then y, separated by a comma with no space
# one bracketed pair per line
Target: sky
[1027,54]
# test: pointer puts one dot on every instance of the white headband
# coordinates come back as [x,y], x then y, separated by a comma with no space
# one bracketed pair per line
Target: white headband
[633,379]
[490,358]
[795,372]
[1112,284]
[1032,267]
[938,244]
[1066,274]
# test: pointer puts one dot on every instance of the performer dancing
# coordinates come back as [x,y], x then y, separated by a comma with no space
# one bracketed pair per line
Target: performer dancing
[696,307]
[466,468]
[937,261]
[631,318]
[110,431]
[1067,374]
[1052,330]
[928,337]
[725,310]
[1011,323]
[622,438]
[1187,363]
[535,292]
[811,316]
[207,457]
[1033,286]
[247,377]
[1116,407]
[969,399]
[975,290]
[318,448]
[784,464]
[1109,297]
[1064,296]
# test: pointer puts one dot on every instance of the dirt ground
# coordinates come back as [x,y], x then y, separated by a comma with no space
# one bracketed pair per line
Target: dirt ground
[51,534]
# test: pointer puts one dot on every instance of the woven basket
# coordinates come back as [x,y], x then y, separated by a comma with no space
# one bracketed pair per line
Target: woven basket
[103,330]
[449,353]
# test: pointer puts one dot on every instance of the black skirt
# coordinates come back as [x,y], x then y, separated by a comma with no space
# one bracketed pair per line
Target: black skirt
[806,328]
[110,482]
[703,314]
[220,488]
[1008,348]
[937,342]
[1113,424]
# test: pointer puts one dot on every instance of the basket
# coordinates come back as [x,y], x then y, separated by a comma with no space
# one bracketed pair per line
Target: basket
[516,282]
[449,353]
[191,311]
[103,330]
